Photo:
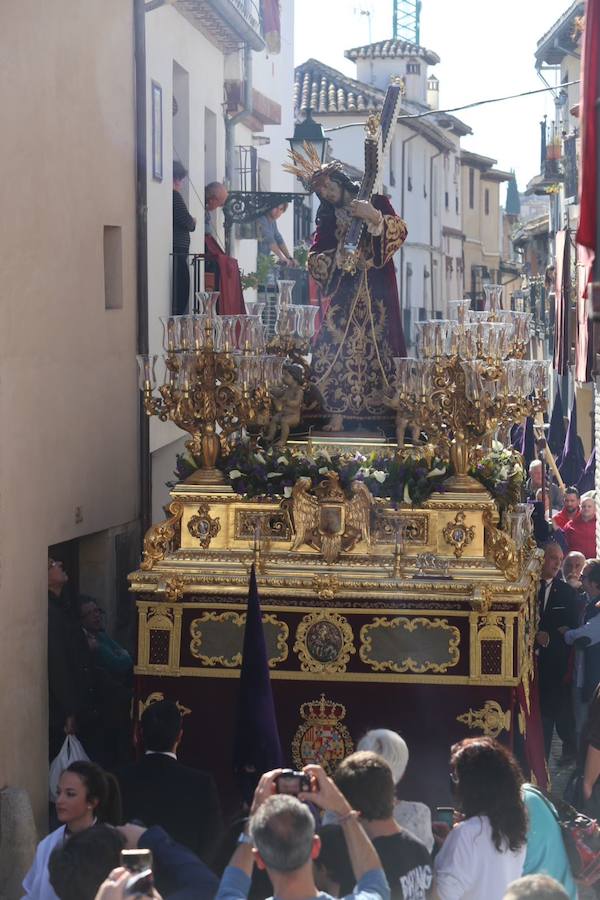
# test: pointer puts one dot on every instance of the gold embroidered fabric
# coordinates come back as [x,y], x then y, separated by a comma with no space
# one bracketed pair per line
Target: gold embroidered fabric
[321,266]
[353,357]
[353,360]
[394,235]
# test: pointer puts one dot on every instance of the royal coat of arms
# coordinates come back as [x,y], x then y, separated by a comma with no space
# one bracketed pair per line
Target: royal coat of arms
[321,738]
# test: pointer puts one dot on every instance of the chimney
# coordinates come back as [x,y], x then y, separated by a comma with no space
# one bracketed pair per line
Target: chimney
[433,92]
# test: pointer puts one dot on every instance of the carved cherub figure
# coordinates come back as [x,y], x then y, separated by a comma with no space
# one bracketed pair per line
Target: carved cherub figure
[402,423]
[287,403]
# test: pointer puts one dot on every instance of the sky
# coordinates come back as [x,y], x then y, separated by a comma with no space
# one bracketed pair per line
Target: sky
[486,49]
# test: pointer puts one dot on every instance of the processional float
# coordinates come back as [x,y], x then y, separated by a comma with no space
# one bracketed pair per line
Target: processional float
[378,610]
[398,582]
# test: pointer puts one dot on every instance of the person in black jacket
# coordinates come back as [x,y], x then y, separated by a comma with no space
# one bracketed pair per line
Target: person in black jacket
[558,612]
[72,702]
[159,790]
[183,223]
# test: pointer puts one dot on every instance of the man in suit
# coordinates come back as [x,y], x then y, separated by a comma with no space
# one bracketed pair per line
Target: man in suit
[159,790]
[557,613]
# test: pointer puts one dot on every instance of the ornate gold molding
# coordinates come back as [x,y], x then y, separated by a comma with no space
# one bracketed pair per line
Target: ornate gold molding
[491,719]
[203,526]
[501,548]
[239,620]
[458,534]
[324,642]
[175,588]
[159,537]
[275,525]
[415,527]
[409,664]
[326,586]
[156,697]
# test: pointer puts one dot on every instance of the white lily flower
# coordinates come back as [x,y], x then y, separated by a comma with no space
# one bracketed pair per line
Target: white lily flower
[379,475]
[282,461]
[275,475]
[260,458]
[235,473]
[406,496]
[323,470]
[287,491]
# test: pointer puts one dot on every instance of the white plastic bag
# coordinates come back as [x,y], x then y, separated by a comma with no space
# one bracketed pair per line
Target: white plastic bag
[71,751]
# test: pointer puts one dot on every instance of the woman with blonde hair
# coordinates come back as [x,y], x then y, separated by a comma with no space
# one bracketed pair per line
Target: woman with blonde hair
[411,815]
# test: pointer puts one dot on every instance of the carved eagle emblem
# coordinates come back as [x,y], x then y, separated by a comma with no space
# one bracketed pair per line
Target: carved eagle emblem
[329,521]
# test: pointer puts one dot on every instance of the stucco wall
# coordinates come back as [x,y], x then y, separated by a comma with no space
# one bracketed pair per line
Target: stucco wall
[68,398]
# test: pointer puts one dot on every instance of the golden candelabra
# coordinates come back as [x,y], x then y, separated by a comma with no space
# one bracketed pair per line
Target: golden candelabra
[469,381]
[219,374]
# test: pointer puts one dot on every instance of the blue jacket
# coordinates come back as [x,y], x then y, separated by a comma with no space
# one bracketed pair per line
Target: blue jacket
[178,872]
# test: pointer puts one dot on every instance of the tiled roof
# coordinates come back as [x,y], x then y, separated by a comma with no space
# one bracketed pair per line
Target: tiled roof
[325,90]
[392,50]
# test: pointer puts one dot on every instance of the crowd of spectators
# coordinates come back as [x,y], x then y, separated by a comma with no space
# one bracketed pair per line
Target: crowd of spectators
[351,834]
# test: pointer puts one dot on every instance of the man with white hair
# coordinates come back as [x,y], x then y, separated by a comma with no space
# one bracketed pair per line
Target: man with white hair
[534,483]
[280,838]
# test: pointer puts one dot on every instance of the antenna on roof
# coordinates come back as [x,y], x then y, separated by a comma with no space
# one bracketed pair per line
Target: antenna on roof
[406,21]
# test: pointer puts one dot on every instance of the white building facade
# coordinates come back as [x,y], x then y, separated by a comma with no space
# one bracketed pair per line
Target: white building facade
[219,101]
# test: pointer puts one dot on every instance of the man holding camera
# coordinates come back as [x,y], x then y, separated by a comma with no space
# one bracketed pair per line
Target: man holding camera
[280,837]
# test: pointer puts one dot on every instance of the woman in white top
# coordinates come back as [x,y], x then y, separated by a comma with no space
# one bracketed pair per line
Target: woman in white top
[486,851]
[86,795]
[414,817]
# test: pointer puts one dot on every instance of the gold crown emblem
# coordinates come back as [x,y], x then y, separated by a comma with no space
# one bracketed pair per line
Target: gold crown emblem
[322,712]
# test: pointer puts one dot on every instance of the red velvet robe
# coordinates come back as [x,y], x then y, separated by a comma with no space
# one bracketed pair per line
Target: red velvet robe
[353,353]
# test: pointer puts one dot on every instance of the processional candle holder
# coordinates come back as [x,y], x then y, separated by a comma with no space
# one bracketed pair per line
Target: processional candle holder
[294,326]
[469,380]
[216,380]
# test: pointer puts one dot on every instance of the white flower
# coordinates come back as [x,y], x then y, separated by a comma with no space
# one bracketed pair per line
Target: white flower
[282,461]
[323,470]
[436,471]
[364,470]
[235,473]
[275,475]
[379,475]
[287,491]
[497,446]
[260,458]
[406,497]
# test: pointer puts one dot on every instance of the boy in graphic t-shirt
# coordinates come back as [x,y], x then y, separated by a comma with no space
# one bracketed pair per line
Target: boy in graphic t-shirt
[366,780]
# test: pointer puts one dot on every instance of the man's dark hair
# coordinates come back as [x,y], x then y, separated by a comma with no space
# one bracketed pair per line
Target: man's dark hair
[335,859]
[179,170]
[161,724]
[78,867]
[367,783]
[573,490]
[487,782]
[592,573]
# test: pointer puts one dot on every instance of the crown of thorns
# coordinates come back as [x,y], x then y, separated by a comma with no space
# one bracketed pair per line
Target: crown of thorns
[308,166]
